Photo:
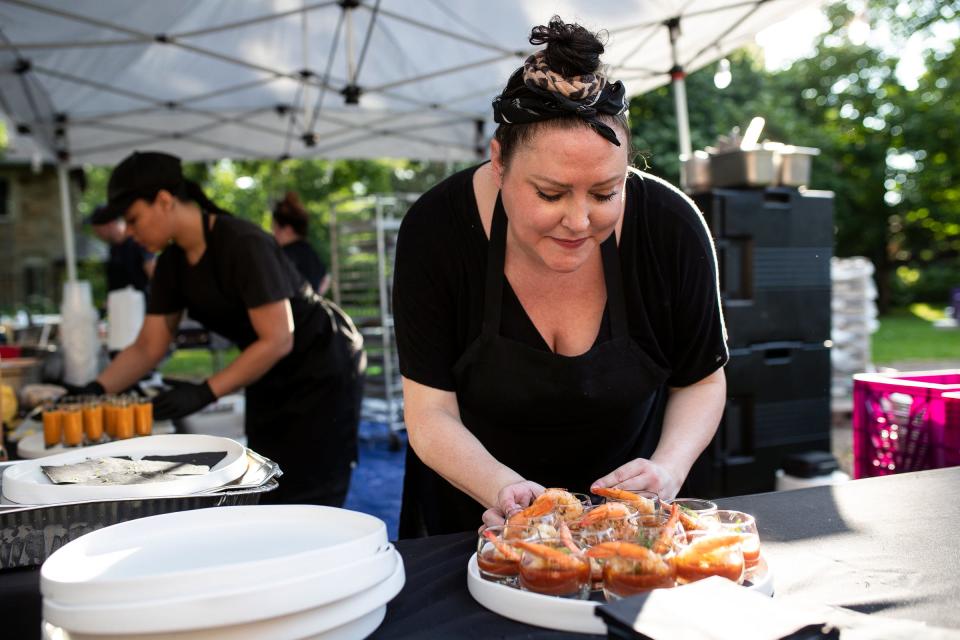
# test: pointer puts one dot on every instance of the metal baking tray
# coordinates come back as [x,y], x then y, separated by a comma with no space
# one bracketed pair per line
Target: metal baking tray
[29,534]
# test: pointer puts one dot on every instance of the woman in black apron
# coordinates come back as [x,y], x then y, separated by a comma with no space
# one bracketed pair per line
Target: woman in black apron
[301,359]
[557,317]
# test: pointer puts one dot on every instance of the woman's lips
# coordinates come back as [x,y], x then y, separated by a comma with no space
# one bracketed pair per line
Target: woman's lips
[569,244]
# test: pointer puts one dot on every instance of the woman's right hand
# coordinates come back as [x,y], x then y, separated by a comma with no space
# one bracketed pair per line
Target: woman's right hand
[510,499]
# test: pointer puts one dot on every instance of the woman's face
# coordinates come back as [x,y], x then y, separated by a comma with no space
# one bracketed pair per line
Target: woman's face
[151,223]
[563,193]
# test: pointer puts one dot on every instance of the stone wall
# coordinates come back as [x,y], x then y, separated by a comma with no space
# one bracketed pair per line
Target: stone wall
[32,256]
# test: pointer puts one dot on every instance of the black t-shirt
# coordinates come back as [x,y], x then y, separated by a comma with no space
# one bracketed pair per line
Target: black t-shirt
[125,266]
[242,268]
[307,262]
[669,275]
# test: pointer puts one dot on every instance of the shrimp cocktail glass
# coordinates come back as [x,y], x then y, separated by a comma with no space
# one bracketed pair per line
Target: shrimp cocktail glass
[630,568]
[696,514]
[619,517]
[745,525]
[710,553]
[553,568]
[497,557]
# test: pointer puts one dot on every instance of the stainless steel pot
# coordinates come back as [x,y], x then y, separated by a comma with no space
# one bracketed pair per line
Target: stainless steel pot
[795,164]
[757,167]
[695,172]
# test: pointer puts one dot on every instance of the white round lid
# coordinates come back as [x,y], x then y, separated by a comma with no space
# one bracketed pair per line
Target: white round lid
[332,589]
[25,483]
[198,553]
[353,617]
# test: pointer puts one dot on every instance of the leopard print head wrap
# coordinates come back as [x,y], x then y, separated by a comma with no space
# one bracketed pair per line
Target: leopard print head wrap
[536,93]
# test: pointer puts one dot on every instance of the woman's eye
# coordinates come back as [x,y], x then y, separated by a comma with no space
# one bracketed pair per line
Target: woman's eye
[604,197]
[549,197]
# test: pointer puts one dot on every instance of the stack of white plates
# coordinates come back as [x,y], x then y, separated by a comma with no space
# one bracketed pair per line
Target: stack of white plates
[277,571]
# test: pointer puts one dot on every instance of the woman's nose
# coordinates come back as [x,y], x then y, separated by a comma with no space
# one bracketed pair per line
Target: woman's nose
[577,218]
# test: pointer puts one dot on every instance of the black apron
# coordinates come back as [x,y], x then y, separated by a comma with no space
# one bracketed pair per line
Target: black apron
[304,412]
[561,421]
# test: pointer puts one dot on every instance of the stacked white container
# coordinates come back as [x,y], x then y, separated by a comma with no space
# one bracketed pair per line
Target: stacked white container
[854,309]
[274,571]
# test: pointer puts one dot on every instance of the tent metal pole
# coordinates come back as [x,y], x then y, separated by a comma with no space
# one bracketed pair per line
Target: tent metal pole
[677,77]
[67,220]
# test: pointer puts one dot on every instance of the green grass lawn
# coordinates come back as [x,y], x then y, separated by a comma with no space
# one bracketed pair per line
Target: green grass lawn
[909,334]
[197,364]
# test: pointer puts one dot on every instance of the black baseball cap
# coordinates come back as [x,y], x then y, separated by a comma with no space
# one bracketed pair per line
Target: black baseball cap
[139,175]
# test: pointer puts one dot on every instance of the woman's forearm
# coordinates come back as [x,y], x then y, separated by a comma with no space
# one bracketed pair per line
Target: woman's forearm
[250,365]
[689,423]
[445,445]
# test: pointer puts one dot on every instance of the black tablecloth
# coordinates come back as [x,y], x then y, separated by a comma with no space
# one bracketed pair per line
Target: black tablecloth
[888,545]
[883,545]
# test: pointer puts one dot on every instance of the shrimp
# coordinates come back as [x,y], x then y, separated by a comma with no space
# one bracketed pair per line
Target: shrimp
[691,520]
[540,507]
[644,505]
[567,538]
[608,510]
[662,544]
[505,550]
[567,506]
[559,558]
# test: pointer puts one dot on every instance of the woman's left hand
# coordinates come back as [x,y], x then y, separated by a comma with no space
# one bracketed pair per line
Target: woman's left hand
[641,474]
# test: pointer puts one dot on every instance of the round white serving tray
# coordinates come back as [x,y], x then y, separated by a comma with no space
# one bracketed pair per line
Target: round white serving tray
[26,484]
[193,554]
[563,614]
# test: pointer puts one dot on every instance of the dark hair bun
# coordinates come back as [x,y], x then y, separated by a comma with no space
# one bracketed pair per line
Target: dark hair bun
[571,49]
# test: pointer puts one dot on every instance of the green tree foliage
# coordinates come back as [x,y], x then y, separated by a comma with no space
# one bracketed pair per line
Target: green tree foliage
[889,152]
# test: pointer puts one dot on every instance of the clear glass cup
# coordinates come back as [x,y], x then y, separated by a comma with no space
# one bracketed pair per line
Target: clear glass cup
[710,553]
[745,525]
[616,516]
[636,569]
[590,537]
[696,514]
[497,558]
[653,533]
[550,567]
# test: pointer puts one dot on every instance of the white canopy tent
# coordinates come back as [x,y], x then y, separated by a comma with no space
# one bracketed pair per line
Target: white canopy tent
[91,80]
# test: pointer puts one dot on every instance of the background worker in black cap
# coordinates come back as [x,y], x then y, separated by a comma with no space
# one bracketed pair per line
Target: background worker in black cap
[128,263]
[302,357]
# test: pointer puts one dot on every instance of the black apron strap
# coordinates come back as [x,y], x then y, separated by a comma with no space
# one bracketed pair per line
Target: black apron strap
[496,253]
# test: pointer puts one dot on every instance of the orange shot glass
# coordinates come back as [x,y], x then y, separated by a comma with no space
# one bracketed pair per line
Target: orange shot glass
[72,426]
[93,421]
[52,426]
[143,418]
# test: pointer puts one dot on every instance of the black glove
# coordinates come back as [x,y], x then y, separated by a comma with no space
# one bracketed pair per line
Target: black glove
[92,388]
[185,398]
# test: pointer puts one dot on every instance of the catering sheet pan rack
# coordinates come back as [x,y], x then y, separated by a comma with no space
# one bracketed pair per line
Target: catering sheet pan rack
[29,534]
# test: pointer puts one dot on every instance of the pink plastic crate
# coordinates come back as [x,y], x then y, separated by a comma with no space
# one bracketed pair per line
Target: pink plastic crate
[905,422]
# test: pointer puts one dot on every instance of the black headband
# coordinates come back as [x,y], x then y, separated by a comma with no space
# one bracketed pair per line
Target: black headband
[523,104]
